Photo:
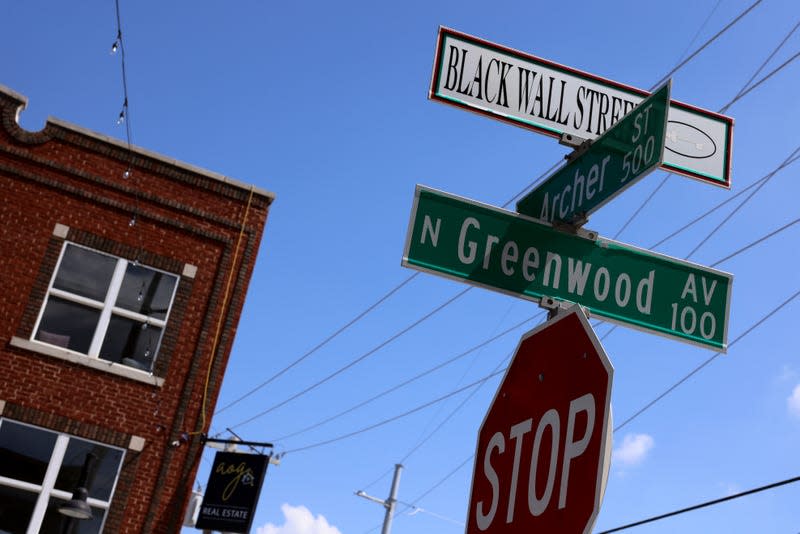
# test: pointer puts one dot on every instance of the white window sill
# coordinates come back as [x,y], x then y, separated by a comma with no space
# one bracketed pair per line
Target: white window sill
[82,359]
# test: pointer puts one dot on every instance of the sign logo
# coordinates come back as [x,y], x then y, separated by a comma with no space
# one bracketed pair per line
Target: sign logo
[232,491]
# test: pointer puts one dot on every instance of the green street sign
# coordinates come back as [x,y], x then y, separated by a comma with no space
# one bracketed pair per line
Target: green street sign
[511,253]
[623,155]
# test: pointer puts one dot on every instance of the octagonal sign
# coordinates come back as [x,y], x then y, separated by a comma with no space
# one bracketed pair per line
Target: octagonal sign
[543,449]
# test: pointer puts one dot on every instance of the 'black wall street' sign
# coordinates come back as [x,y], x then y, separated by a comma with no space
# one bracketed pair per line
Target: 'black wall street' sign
[234,485]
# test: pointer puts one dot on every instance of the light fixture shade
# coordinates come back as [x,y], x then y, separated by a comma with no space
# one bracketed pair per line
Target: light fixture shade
[77,507]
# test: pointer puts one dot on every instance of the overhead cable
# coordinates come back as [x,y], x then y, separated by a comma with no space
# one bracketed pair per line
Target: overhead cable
[396,417]
[704,505]
[320,344]
[356,361]
[406,382]
[704,45]
[535,182]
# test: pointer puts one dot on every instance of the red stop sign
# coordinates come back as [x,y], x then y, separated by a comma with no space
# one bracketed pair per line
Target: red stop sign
[542,455]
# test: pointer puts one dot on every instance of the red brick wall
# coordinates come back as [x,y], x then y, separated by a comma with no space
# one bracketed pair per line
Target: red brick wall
[64,175]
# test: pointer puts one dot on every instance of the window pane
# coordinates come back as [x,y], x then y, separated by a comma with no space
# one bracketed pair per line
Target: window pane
[85,272]
[146,291]
[102,473]
[68,324]
[57,523]
[16,509]
[131,343]
[24,452]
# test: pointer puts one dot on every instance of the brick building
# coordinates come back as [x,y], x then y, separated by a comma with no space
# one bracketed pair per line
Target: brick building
[124,274]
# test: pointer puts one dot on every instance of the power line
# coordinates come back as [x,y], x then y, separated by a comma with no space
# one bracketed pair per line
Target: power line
[454,411]
[742,92]
[396,417]
[765,78]
[763,64]
[320,344]
[704,505]
[356,361]
[624,423]
[700,29]
[406,382]
[381,345]
[495,373]
[649,404]
[704,45]
[705,363]
[745,201]
[685,378]
[417,509]
[629,419]
[723,203]
[505,205]
[756,242]
[757,184]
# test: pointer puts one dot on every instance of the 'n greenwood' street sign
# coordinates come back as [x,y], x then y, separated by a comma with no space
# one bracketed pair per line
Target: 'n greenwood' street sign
[619,158]
[514,254]
[553,99]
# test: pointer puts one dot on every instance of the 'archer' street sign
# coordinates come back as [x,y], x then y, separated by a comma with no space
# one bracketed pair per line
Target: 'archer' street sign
[624,154]
[514,254]
[553,99]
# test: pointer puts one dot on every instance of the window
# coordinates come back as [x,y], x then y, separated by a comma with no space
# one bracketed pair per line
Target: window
[106,307]
[39,470]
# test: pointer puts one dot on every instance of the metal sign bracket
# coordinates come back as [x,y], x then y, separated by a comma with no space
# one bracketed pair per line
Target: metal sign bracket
[555,307]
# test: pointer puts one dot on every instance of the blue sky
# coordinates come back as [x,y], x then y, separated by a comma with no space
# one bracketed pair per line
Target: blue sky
[326,105]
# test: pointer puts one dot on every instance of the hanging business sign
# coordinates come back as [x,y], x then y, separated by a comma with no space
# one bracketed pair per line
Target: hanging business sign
[234,485]
[555,100]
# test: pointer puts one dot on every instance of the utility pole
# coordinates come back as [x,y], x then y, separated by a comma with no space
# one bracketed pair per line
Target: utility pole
[389,503]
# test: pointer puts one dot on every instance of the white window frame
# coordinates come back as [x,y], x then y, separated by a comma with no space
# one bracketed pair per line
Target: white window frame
[47,489]
[106,307]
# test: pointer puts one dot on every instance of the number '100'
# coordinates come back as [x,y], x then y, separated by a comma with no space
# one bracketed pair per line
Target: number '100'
[689,323]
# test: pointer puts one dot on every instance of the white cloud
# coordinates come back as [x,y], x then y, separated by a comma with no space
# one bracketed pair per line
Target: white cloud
[633,450]
[299,520]
[793,401]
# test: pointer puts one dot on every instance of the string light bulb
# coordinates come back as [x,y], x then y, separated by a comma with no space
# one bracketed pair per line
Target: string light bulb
[117,42]
[132,222]
[122,112]
[126,174]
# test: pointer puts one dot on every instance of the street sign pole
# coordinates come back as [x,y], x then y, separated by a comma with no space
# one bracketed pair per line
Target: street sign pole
[514,254]
[623,155]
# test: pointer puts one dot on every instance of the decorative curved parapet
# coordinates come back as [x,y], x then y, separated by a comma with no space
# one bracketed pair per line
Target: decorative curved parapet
[11,105]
